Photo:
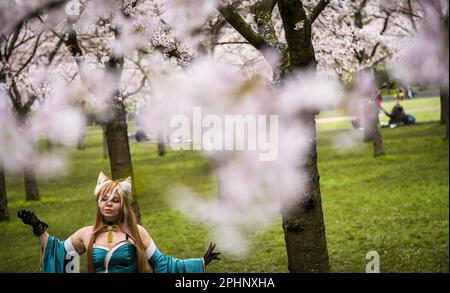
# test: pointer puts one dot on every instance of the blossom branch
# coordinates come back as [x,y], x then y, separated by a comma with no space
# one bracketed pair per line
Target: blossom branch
[236,21]
[36,45]
[383,30]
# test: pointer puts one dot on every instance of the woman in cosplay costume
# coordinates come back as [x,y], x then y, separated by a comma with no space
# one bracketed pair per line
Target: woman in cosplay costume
[114,244]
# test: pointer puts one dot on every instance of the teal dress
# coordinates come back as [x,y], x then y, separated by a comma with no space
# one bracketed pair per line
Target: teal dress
[60,257]
[119,259]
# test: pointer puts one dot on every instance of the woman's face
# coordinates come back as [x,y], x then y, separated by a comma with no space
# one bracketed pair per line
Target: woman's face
[110,208]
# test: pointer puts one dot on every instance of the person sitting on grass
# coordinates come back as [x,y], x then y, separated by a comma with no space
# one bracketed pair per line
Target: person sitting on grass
[114,244]
[398,116]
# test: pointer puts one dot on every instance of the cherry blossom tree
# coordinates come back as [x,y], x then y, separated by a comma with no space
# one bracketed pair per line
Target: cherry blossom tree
[303,222]
[108,42]
[23,48]
[164,58]
[424,55]
[302,214]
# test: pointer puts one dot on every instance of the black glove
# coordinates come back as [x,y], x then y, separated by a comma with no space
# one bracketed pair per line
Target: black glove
[30,218]
[210,255]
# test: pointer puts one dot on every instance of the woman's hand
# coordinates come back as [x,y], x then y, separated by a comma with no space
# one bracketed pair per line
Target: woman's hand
[210,255]
[29,218]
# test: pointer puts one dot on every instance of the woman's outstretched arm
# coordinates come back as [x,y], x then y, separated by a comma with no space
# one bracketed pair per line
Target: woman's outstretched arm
[162,263]
[39,227]
[57,256]
[43,239]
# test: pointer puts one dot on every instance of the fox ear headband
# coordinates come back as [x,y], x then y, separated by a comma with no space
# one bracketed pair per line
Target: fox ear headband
[124,184]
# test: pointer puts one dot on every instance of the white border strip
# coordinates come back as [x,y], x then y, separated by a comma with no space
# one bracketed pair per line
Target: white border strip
[68,246]
[150,250]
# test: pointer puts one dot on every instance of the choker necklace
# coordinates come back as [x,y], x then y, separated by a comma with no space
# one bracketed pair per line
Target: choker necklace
[110,227]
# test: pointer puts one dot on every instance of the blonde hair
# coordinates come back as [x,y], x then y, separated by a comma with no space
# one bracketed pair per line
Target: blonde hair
[127,223]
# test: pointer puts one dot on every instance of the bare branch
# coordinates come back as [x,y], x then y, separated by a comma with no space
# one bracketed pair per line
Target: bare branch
[231,43]
[15,96]
[139,88]
[13,99]
[318,9]
[143,80]
[411,16]
[36,45]
[23,41]
[29,103]
[72,40]
[53,53]
[47,6]
[383,30]
[375,63]
[50,29]
[14,38]
[236,21]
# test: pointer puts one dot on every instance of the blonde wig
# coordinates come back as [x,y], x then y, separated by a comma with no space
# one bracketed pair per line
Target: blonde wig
[127,220]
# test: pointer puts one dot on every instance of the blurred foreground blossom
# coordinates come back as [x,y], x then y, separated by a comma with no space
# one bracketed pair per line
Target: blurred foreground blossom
[251,192]
[425,58]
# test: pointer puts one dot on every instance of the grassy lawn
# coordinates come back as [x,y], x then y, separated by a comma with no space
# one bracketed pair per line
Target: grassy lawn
[424,109]
[397,205]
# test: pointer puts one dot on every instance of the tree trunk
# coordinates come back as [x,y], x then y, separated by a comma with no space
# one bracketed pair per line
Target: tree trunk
[31,185]
[4,214]
[30,181]
[369,122]
[81,145]
[116,132]
[303,224]
[116,128]
[372,133]
[105,144]
[444,109]
[375,133]
[49,145]
[378,149]
[161,149]
[444,91]
[371,130]
[161,146]
[367,132]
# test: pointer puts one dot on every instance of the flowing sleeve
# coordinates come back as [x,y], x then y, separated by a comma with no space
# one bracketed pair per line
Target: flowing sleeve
[162,263]
[60,257]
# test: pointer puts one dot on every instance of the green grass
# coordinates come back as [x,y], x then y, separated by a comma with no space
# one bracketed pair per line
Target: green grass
[397,205]
[424,109]
[416,90]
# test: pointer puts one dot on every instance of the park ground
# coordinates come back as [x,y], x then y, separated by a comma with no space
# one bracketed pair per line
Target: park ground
[397,205]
